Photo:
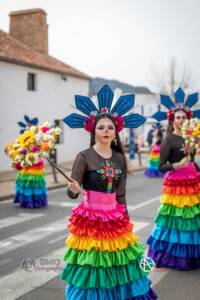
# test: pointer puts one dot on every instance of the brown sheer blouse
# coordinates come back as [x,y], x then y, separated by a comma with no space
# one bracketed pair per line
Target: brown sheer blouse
[171,151]
[93,172]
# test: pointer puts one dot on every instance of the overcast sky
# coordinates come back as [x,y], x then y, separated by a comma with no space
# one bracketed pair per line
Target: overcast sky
[119,39]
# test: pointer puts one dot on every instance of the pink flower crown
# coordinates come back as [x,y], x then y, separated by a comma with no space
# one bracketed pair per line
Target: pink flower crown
[170,113]
[89,123]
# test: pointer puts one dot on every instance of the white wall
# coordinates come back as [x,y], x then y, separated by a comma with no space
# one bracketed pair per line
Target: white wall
[150,106]
[50,101]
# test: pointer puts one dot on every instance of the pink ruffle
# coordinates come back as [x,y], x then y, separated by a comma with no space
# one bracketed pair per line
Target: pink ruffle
[184,176]
[156,148]
[94,214]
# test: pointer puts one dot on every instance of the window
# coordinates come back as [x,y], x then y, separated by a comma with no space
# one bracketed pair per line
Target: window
[31,82]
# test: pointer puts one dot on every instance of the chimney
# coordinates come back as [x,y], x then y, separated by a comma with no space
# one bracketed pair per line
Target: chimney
[30,27]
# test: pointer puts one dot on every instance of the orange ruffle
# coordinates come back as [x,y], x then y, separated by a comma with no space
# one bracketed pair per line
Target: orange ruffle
[181,190]
[98,232]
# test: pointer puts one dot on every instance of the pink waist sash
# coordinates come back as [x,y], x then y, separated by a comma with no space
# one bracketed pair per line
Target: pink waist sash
[99,200]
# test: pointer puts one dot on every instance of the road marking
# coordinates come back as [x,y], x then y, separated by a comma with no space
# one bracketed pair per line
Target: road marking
[63,204]
[139,225]
[5,261]
[30,236]
[59,238]
[19,218]
[135,207]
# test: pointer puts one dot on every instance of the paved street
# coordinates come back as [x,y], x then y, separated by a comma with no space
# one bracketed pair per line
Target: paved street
[38,237]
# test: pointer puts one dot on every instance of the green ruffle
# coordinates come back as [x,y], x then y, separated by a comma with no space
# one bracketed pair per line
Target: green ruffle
[178,222]
[104,259]
[28,180]
[89,277]
[184,212]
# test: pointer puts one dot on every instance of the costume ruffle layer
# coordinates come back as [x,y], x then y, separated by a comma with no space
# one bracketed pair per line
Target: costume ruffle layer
[137,290]
[27,180]
[176,236]
[178,223]
[184,212]
[31,201]
[87,277]
[181,200]
[182,190]
[153,172]
[98,232]
[165,260]
[104,259]
[179,250]
[98,214]
[187,176]
[87,243]
[31,190]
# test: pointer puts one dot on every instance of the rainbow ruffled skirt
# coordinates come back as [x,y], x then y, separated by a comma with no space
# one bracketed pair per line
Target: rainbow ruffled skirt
[175,239]
[152,169]
[103,255]
[31,189]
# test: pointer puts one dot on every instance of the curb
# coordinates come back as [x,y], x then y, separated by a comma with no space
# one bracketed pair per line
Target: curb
[61,185]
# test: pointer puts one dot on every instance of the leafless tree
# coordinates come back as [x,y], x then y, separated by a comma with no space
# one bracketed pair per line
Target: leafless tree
[167,79]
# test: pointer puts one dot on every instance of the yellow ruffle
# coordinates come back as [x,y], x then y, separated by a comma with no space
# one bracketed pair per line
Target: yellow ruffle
[32,171]
[80,243]
[181,200]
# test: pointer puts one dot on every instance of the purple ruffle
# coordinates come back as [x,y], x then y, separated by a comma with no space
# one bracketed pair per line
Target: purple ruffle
[35,201]
[153,173]
[178,250]
[165,260]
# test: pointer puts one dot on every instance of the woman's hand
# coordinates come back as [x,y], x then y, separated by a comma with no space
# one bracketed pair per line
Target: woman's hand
[181,164]
[74,186]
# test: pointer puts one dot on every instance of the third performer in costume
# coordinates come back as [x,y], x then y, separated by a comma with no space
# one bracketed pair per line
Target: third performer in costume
[175,239]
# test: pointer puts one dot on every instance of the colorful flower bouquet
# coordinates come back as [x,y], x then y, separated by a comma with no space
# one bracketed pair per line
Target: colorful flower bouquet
[33,145]
[191,135]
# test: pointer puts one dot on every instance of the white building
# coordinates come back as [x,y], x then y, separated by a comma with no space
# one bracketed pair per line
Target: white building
[146,105]
[34,83]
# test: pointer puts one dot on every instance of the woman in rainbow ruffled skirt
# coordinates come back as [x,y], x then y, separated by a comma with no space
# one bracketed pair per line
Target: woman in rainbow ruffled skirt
[103,255]
[175,239]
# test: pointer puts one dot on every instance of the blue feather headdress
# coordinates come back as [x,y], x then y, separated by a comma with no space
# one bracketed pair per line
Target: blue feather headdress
[105,99]
[27,122]
[180,102]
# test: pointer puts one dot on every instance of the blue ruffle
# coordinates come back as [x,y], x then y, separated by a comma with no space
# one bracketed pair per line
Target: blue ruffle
[172,235]
[178,250]
[150,172]
[32,198]
[30,191]
[138,288]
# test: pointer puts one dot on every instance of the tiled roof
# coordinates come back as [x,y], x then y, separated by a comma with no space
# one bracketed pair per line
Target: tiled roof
[14,51]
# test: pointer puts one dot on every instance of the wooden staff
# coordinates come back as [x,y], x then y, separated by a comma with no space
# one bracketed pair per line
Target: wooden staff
[58,169]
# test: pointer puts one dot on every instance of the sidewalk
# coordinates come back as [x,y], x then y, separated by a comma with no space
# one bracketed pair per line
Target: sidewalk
[7,178]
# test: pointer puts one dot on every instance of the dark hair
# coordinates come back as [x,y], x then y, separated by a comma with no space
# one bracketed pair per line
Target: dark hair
[116,147]
[159,137]
[170,127]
